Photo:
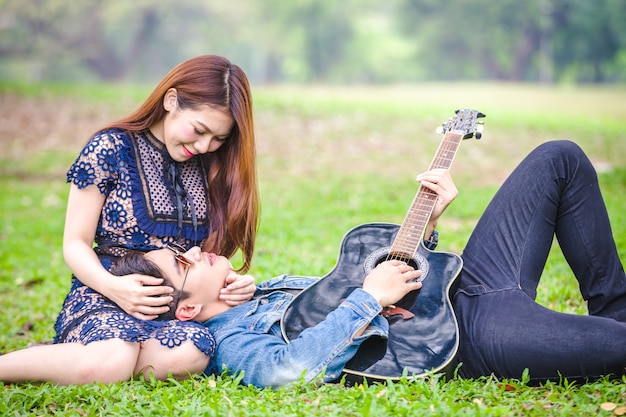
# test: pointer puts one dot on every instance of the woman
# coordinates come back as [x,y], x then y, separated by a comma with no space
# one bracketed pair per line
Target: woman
[180,169]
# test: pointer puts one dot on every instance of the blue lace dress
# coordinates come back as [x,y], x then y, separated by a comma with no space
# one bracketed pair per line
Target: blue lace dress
[151,201]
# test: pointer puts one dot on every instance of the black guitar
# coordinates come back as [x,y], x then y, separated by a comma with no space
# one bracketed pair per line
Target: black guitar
[423,335]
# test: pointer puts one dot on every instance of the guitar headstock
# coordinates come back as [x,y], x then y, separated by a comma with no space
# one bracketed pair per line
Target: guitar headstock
[465,123]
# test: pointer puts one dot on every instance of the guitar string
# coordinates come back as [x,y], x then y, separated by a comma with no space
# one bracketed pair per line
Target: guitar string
[407,241]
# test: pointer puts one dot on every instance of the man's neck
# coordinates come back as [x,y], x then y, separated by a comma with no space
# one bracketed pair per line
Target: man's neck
[212,310]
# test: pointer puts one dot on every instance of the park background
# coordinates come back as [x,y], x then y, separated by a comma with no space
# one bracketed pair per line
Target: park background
[347,97]
[321,41]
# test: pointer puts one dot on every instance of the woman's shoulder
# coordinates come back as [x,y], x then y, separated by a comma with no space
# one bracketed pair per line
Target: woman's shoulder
[101,159]
[106,141]
[111,135]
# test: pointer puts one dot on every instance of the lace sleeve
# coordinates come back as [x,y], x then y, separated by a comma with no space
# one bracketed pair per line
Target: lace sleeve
[99,162]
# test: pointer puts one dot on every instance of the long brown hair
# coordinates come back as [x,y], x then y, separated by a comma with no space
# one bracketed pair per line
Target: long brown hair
[232,184]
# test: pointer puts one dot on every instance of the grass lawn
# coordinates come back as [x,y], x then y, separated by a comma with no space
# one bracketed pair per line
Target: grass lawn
[329,158]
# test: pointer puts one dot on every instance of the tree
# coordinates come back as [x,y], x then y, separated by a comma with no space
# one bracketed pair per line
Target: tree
[318,41]
[76,32]
[517,40]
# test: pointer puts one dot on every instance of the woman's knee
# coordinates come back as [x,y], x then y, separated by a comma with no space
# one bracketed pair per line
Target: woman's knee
[107,361]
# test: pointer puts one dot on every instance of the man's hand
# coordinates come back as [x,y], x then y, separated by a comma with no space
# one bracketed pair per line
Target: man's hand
[440,182]
[390,281]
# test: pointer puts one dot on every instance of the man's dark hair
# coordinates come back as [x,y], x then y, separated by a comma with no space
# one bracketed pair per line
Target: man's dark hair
[134,262]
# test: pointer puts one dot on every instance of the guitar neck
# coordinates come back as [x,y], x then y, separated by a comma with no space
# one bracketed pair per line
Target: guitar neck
[414,225]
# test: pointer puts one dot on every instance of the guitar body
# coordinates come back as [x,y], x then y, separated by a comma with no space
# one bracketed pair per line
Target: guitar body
[423,332]
[416,346]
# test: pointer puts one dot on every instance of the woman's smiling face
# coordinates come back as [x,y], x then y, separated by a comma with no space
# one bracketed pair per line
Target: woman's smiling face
[192,131]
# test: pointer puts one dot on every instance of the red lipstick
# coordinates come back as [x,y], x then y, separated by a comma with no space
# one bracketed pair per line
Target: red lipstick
[189,154]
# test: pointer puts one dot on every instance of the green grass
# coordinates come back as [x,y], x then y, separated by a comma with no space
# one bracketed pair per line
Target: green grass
[223,397]
[329,159]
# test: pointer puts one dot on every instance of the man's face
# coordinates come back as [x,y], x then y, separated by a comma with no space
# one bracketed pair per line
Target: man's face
[205,278]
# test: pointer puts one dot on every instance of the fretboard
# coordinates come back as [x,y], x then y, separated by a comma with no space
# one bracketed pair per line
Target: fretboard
[414,225]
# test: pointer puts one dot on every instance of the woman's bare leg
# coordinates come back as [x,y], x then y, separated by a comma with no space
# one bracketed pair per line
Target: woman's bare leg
[71,363]
[162,362]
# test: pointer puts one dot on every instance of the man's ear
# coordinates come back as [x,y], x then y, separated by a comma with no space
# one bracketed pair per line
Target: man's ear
[186,312]
[170,99]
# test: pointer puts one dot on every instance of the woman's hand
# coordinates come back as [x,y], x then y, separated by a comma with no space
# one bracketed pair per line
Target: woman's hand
[238,289]
[141,296]
[440,182]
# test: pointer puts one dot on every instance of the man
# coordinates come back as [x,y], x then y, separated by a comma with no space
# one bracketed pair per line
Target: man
[248,336]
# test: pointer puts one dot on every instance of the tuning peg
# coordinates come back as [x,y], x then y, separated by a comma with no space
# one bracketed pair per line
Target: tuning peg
[440,130]
[479,130]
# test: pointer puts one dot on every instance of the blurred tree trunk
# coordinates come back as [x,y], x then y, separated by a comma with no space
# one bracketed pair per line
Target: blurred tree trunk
[105,60]
[77,32]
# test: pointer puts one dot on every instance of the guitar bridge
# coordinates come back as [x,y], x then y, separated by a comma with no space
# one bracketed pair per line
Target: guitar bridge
[397,311]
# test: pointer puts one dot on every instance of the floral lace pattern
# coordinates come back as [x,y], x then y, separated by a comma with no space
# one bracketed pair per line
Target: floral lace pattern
[140,211]
[87,317]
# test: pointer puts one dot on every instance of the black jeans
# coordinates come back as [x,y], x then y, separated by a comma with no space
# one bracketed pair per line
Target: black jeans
[553,192]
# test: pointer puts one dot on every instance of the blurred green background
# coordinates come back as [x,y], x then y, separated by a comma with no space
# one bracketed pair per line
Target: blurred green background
[331,41]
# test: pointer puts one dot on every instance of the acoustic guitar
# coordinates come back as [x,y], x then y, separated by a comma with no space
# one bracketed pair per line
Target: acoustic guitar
[423,331]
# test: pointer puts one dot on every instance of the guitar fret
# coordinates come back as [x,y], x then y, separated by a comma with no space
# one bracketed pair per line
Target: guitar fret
[412,229]
[421,314]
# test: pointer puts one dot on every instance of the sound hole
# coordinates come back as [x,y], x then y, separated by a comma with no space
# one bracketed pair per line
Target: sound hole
[412,262]
[417,261]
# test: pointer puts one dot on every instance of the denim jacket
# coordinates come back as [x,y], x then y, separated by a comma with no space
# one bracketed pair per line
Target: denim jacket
[249,337]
